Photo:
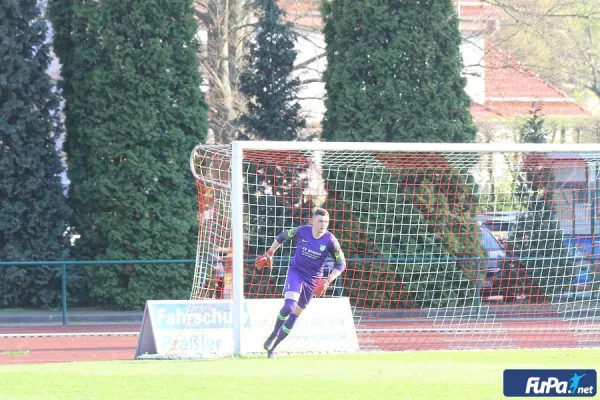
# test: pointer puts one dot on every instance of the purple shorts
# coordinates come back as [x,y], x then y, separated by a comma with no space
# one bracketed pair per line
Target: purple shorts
[295,284]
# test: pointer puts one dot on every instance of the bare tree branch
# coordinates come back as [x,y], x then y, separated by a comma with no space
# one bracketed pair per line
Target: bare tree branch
[310,98]
[538,11]
[310,40]
[309,61]
[307,81]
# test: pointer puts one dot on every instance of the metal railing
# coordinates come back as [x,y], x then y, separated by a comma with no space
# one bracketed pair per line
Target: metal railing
[65,263]
[278,261]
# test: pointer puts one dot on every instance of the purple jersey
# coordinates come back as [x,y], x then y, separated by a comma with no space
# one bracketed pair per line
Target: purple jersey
[311,253]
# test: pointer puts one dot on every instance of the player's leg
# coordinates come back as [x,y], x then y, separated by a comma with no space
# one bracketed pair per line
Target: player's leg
[292,294]
[305,298]
[289,306]
[285,329]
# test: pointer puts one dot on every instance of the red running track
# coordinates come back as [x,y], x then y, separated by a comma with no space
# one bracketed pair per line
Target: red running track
[69,347]
[118,342]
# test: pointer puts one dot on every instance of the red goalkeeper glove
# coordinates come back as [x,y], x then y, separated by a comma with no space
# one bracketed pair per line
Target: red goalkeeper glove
[321,286]
[266,260]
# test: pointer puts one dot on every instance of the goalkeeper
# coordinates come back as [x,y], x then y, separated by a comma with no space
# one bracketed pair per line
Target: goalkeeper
[305,274]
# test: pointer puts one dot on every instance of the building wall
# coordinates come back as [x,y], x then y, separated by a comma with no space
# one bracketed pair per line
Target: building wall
[472,51]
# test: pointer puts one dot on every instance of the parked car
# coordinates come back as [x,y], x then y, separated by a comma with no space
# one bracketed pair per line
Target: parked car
[584,285]
[508,278]
[493,261]
[511,282]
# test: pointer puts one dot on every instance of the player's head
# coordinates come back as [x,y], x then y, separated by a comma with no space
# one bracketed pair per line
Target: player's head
[320,219]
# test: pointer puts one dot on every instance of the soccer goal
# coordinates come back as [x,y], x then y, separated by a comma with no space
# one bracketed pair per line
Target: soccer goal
[448,246]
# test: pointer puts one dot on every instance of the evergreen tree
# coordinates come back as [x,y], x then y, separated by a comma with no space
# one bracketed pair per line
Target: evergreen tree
[394,72]
[368,284]
[134,111]
[273,111]
[536,239]
[400,217]
[533,130]
[33,210]
[275,187]
[394,75]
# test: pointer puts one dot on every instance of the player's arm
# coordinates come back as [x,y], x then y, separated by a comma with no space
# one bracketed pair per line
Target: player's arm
[340,261]
[340,266]
[266,260]
[333,275]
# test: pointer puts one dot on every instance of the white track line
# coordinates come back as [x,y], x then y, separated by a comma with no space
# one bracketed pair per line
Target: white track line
[69,334]
[477,330]
[590,329]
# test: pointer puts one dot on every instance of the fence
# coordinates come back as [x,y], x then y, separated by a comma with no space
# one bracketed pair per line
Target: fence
[278,261]
[64,264]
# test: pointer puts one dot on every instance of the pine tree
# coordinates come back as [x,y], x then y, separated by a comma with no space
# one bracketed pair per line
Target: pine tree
[536,240]
[273,110]
[34,214]
[533,130]
[394,75]
[274,196]
[134,111]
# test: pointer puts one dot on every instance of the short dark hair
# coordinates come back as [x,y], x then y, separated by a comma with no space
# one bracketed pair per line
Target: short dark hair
[320,212]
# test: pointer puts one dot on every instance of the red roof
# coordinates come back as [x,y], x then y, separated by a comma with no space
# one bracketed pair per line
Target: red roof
[511,88]
[480,112]
[547,108]
[479,11]
[506,77]
[305,14]
[476,17]
[300,6]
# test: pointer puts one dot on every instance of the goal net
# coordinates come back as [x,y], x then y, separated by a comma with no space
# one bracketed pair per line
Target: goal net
[447,246]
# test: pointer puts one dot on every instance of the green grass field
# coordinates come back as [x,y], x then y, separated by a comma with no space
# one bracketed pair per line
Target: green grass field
[411,375]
